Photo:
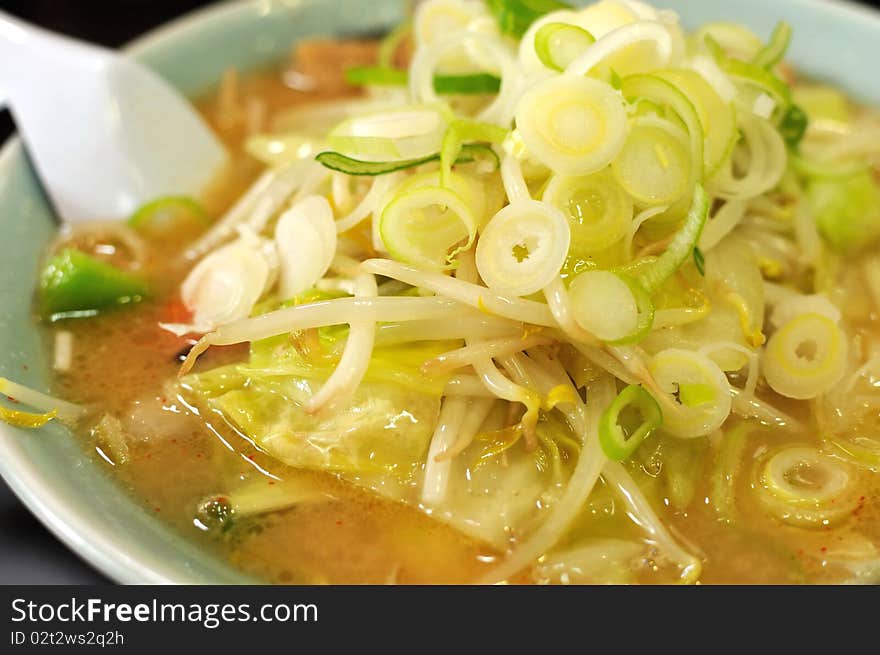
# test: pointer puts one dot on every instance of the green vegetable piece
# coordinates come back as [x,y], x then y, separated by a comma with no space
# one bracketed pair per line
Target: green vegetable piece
[338,162]
[557,44]
[164,216]
[772,53]
[846,210]
[619,442]
[469,84]
[74,284]
[646,311]
[515,16]
[700,261]
[793,126]
[376,76]
[682,245]
[694,395]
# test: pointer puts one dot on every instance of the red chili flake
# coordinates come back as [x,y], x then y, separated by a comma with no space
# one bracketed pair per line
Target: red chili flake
[156,509]
[13,400]
[250,457]
[271,481]
[174,441]
[824,549]
[338,522]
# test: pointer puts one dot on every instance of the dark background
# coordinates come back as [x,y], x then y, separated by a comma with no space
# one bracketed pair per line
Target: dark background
[29,554]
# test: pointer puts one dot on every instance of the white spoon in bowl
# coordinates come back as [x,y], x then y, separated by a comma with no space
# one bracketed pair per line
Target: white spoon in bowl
[105,133]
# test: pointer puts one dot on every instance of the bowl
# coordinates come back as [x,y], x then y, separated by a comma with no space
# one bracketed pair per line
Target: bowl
[47,469]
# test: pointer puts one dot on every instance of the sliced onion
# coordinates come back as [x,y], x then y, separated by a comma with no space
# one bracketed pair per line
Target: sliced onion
[225,285]
[523,247]
[572,125]
[306,240]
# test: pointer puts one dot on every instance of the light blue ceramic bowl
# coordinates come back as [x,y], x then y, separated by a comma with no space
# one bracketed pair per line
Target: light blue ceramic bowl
[47,469]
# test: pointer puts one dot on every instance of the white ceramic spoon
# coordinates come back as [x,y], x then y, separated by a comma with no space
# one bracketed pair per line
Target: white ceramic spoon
[106,133]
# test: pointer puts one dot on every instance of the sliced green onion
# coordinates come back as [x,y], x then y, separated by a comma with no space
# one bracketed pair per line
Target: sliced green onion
[469,84]
[619,442]
[654,165]
[694,395]
[662,93]
[408,132]
[598,210]
[523,248]
[465,84]
[427,227]
[719,36]
[793,126]
[515,16]
[806,357]
[717,117]
[339,162]
[645,316]
[164,215]
[376,76]
[705,389]
[603,304]
[462,130]
[611,306]
[760,78]
[572,125]
[700,261]
[772,53]
[558,44]
[682,246]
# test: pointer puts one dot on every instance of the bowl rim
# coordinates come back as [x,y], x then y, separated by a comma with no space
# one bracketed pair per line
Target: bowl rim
[86,536]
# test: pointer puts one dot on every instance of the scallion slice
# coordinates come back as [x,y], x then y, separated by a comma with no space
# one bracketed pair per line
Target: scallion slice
[338,162]
[466,84]
[682,246]
[772,53]
[618,443]
[558,44]
[515,16]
